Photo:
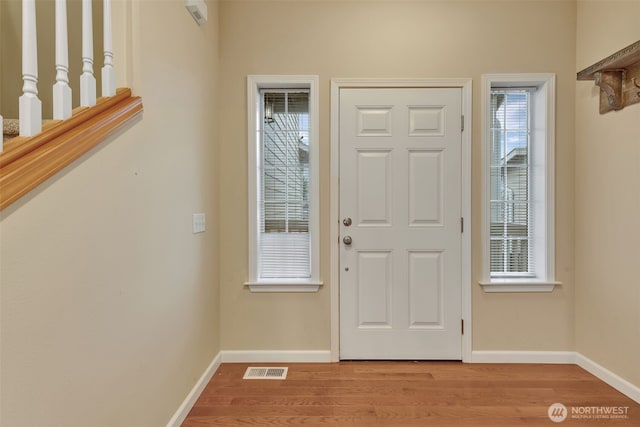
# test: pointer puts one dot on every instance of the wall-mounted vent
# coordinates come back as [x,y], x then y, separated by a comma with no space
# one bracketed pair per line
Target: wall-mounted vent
[265,373]
[198,10]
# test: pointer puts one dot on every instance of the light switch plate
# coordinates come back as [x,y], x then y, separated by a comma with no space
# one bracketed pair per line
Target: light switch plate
[199,223]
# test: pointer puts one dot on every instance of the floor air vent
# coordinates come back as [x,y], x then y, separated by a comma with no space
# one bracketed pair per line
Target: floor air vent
[260,373]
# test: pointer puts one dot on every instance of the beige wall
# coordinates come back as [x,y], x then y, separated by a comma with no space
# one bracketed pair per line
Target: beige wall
[109,304]
[390,39]
[607,200]
[110,308]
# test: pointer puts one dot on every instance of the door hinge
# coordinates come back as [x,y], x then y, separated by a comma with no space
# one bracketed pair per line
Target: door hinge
[462,123]
[462,225]
[462,326]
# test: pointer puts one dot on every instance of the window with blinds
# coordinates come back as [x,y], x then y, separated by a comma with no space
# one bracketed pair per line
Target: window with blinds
[511,225]
[284,238]
[518,179]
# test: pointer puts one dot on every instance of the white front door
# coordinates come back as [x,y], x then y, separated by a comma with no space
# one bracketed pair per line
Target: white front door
[400,213]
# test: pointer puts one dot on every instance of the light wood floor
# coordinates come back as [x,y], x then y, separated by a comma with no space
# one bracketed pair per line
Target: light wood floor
[406,394]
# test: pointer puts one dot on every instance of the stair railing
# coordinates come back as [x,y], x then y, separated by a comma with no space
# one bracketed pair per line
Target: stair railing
[30,105]
[39,152]
[61,89]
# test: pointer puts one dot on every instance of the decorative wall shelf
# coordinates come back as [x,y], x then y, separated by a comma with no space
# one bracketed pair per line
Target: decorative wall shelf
[618,77]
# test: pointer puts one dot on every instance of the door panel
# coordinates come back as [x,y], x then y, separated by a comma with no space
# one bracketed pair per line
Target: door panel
[374,289]
[400,184]
[425,289]
[373,187]
[425,187]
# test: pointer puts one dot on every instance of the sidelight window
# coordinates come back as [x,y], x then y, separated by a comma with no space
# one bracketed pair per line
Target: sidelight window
[518,120]
[283,242]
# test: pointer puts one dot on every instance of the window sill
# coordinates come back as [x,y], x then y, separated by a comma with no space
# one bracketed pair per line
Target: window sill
[284,286]
[519,285]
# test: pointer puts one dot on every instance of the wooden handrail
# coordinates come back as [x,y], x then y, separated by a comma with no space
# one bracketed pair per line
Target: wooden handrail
[16,148]
[29,161]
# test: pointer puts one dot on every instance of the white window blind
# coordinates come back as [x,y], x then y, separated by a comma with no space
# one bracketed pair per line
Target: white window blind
[518,139]
[511,209]
[284,238]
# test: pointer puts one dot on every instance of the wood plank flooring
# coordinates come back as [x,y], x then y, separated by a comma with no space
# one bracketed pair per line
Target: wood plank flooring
[410,394]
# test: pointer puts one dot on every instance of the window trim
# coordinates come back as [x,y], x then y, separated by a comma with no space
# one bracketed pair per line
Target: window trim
[544,99]
[254,84]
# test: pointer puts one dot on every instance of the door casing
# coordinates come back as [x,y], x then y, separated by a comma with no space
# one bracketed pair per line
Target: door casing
[336,85]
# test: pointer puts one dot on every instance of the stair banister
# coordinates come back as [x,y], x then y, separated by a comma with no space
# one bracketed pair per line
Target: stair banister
[30,106]
[42,151]
[61,89]
[108,72]
[87,80]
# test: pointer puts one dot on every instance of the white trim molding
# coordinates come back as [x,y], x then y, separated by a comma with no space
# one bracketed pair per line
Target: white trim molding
[466,85]
[560,357]
[542,157]
[326,356]
[182,412]
[524,286]
[281,286]
[254,84]
[551,357]
[614,380]
[276,356]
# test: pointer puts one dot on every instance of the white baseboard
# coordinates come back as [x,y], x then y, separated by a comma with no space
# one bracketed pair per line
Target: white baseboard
[182,412]
[560,357]
[478,356]
[276,356]
[556,357]
[615,381]
[259,356]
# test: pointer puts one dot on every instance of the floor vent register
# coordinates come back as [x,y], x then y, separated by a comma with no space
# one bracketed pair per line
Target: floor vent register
[265,373]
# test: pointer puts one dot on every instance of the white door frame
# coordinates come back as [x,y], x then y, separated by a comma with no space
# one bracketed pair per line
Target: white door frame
[336,84]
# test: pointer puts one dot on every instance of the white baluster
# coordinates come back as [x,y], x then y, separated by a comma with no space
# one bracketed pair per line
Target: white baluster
[61,89]
[30,106]
[108,72]
[87,80]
